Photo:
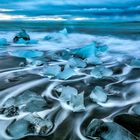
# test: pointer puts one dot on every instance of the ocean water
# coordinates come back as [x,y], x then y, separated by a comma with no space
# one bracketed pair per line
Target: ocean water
[78,78]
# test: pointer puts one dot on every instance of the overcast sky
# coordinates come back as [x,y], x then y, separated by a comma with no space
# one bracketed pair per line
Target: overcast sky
[59,7]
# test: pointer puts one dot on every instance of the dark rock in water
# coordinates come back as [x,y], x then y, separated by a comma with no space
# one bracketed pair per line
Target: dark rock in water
[2,110]
[21,35]
[98,129]
[11,111]
[130,122]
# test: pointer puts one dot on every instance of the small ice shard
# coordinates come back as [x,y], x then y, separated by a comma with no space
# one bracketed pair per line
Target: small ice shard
[76,62]
[66,73]
[100,72]
[3,42]
[21,35]
[77,102]
[70,99]
[27,53]
[64,32]
[52,70]
[97,129]
[29,125]
[34,62]
[135,63]
[98,95]
[87,51]
[93,60]
[136,109]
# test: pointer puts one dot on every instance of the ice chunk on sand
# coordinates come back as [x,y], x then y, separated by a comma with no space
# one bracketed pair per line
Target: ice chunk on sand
[21,35]
[35,62]
[29,125]
[27,53]
[70,99]
[77,62]
[52,70]
[98,95]
[93,60]
[67,93]
[3,42]
[18,129]
[90,50]
[100,72]
[77,102]
[66,73]
[28,101]
[97,129]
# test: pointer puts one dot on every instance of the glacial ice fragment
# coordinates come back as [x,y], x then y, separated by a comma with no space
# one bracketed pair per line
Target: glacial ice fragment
[136,109]
[56,36]
[67,93]
[97,129]
[76,62]
[22,41]
[64,32]
[34,62]
[18,129]
[100,72]
[29,125]
[52,70]
[77,102]
[70,99]
[101,47]
[93,60]
[27,53]
[66,73]
[21,35]
[91,50]
[32,41]
[135,63]
[28,101]
[87,51]
[3,42]
[98,95]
